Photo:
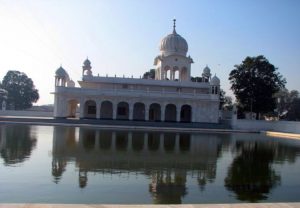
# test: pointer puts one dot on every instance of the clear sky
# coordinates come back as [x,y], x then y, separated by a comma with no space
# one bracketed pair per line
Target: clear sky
[122,37]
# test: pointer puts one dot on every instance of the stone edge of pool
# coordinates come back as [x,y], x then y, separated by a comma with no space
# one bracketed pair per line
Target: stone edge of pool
[49,122]
[242,205]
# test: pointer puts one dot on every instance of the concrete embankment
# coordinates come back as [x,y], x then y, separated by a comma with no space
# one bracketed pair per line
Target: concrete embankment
[244,205]
[120,124]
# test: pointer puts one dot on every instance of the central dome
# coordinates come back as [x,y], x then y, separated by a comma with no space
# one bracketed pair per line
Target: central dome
[173,44]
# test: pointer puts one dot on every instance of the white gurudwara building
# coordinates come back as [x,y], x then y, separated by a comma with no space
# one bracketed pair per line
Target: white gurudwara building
[171,96]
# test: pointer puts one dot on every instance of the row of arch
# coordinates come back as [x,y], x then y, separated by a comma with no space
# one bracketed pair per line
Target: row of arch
[137,111]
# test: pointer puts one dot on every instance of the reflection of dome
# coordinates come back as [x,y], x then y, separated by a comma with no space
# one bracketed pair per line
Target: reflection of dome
[173,44]
[215,81]
[61,72]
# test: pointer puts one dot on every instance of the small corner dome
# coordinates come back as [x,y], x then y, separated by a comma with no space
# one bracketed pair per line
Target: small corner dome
[87,62]
[206,70]
[215,80]
[61,72]
[70,83]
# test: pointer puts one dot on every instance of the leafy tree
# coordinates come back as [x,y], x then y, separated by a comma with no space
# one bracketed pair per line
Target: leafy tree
[225,101]
[254,83]
[21,90]
[251,175]
[294,110]
[285,102]
[196,79]
[149,74]
[3,95]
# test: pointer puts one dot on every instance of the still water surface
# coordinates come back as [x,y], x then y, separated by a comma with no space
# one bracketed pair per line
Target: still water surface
[46,164]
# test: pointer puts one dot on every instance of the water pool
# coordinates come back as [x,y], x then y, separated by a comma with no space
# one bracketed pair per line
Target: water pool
[53,164]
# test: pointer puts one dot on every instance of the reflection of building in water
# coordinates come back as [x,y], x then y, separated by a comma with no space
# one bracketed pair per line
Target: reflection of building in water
[16,145]
[167,158]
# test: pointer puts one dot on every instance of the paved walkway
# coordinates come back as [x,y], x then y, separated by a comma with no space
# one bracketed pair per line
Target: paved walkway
[244,205]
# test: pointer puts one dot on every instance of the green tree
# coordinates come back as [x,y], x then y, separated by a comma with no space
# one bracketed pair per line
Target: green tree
[196,79]
[254,83]
[294,110]
[286,102]
[21,90]
[149,74]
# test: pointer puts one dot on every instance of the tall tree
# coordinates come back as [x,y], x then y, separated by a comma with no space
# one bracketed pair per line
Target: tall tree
[254,83]
[21,90]
[285,101]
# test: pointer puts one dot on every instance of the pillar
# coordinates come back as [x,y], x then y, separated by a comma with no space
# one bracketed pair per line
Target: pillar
[163,108]
[98,109]
[178,111]
[146,112]
[130,111]
[115,106]
[81,109]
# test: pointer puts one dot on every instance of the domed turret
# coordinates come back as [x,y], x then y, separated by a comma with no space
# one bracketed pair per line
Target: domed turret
[61,73]
[70,83]
[86,62]
[173,44]
[87,67]
[215,81]
[61,77]
[206,72]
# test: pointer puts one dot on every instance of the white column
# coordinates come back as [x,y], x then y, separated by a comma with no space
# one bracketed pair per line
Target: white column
[81,109]
[130,111]
[98,106]
[162,110]
[146,112]
[115,106]
[178,110]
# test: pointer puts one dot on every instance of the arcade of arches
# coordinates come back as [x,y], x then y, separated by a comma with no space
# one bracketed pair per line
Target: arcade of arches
[137,111]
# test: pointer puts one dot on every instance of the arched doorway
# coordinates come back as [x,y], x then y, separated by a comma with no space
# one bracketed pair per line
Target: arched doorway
[72,108]
[154,112]
[90,109]
[106,111]
[123,111]
[170,113]
[139,111]
[186,113]
[167,72]
[176,73]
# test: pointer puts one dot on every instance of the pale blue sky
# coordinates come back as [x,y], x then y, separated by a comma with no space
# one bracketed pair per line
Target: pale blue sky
[122,37]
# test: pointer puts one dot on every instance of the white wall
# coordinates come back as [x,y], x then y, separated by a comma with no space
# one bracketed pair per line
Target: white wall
[258,125]
[26,113]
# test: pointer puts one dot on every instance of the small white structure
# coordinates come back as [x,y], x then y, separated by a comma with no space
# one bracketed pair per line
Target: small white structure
[171,96]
